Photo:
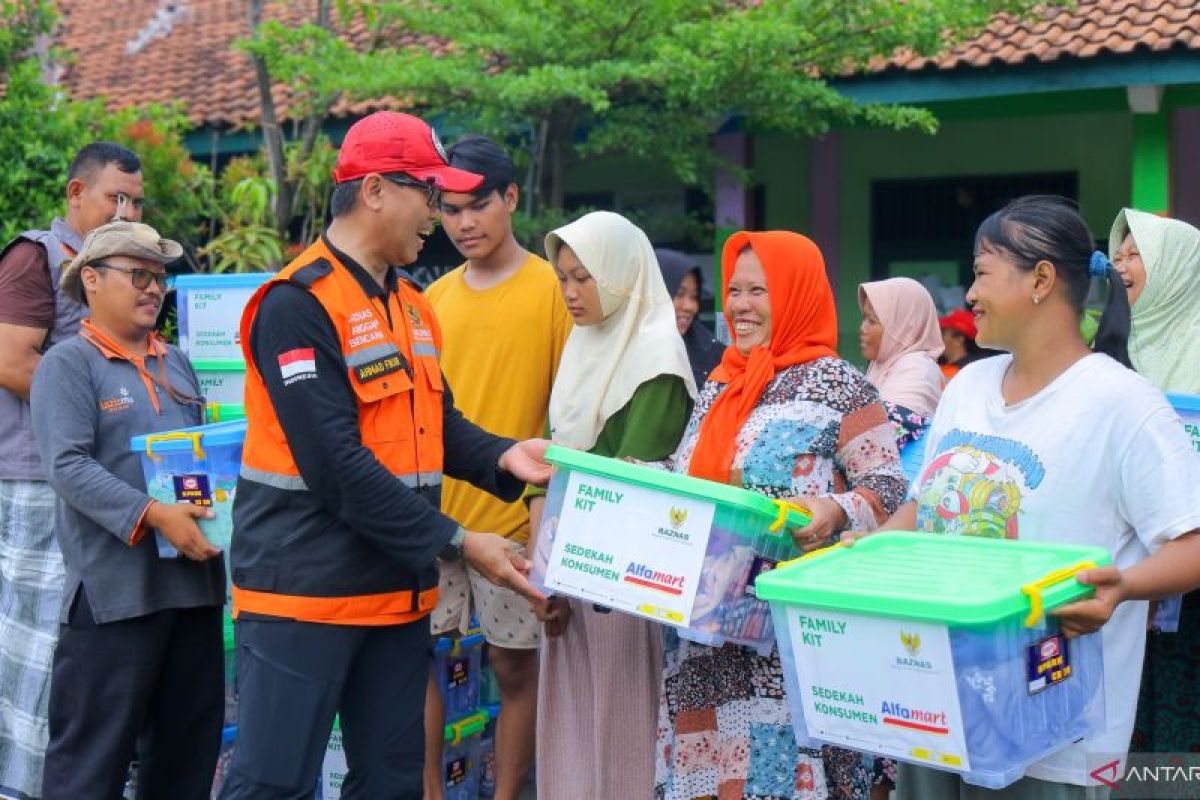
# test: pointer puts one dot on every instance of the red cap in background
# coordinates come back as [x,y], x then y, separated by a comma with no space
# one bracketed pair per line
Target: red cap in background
[388,142]
[959,320]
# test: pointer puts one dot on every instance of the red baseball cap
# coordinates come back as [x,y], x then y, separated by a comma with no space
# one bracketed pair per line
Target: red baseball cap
[387,142]
[960,320]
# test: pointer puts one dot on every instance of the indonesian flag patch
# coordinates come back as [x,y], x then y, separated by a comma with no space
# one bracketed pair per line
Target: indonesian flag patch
[298,365]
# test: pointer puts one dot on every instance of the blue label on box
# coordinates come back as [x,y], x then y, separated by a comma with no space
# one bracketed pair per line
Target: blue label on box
[1047,662]
[192,489]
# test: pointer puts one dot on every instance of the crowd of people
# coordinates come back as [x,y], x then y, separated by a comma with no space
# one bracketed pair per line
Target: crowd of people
[393,474]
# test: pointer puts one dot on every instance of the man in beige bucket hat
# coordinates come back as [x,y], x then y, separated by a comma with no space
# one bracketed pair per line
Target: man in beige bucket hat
[140,620]
[130,247]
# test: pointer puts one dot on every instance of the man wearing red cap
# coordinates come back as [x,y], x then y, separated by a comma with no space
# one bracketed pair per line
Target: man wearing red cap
[958,339]
[350,427]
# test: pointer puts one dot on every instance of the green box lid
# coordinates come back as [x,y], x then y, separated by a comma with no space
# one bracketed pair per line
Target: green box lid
[225,412]
[662,480]
[956,580]
[455,732]
[218,365]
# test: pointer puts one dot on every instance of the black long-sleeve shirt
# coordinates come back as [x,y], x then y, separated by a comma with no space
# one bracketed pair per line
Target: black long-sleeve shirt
[319,417]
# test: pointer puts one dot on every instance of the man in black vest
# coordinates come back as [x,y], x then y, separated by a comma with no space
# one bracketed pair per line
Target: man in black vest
[104,181]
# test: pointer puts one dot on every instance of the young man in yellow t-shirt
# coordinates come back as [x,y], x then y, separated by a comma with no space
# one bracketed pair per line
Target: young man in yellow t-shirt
[504,324]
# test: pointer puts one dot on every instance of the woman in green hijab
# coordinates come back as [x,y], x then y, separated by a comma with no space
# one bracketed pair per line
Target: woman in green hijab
[1159,260]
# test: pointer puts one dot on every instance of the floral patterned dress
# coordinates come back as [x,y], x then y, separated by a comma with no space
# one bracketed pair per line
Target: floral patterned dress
[725,730]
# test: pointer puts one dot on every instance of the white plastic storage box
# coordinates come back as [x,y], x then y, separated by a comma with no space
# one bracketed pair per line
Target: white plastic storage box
[670,548]
[937,650]
[222,382]
[1168,610]
[333,767]
[1188,406]
[196,465]
[210,312]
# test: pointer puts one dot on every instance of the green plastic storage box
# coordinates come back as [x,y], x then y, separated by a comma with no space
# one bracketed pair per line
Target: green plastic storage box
[668,547]
[222,382]
[937,650]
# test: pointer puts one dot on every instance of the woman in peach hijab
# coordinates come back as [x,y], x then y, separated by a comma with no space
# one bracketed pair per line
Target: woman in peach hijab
[901,338]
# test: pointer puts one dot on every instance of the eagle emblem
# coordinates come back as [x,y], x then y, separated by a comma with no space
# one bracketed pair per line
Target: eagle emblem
[678,516]
[911,642]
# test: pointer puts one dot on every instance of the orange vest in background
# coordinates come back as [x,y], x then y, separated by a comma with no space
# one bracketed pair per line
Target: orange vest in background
[398,391]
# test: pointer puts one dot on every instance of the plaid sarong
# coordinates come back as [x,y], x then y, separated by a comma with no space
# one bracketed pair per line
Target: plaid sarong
[31,581]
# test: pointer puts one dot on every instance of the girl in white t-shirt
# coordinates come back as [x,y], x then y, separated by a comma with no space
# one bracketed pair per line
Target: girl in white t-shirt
[1054,442]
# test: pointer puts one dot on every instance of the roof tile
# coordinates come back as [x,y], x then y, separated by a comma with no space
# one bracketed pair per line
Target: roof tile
[141,51]
[1088,29]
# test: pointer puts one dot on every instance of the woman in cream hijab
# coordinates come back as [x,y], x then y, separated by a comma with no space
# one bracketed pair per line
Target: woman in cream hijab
[624,389]
[1158,259]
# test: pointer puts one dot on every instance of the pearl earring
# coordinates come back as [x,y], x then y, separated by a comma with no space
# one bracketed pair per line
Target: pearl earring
[1036,299]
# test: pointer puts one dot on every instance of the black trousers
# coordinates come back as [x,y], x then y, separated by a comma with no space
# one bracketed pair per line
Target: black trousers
[294,677]
[150,686]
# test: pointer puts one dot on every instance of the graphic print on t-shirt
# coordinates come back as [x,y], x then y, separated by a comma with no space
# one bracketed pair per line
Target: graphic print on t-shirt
[974,486]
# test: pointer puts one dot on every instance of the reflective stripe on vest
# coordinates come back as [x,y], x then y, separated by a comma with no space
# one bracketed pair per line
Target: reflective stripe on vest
[360,357]
[388,608]
[294,483]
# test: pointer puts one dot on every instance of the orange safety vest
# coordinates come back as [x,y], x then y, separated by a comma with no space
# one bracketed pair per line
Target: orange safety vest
[398,387]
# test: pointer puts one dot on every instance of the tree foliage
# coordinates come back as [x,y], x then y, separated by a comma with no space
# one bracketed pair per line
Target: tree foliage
[41,129]
[653,80]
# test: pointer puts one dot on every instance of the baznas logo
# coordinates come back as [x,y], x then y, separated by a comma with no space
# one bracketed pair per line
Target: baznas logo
[678,516]
[911,642]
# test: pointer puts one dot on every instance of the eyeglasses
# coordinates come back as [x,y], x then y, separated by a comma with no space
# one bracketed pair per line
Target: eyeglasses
[140,278]
[433,195]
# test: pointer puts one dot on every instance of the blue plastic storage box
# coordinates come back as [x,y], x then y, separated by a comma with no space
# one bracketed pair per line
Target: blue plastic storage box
[461,763]
[457,671]
[197,465]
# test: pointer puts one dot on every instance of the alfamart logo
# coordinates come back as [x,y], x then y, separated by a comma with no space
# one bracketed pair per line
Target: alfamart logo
[642,575]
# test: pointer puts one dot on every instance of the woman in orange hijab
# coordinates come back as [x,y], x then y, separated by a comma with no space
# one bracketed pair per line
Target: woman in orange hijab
[785,416]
